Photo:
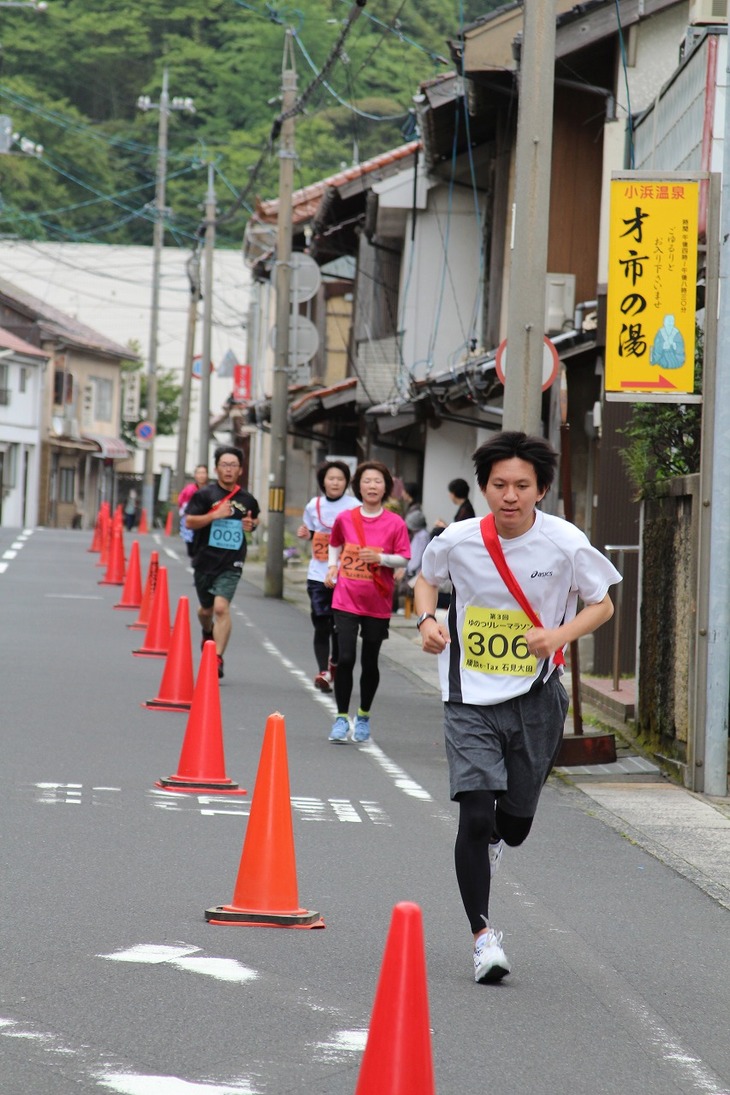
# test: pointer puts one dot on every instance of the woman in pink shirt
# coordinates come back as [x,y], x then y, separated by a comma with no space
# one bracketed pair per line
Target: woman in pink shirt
[366,545]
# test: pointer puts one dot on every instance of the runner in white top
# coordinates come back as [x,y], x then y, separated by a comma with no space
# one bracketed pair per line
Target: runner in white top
[504,703]
[333,478]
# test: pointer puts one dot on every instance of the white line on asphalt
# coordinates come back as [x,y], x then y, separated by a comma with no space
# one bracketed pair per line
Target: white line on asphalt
[187,959]
[400,778]
[129,1083]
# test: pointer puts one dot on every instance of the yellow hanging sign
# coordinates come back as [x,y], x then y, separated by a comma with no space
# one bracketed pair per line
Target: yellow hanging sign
[652,278]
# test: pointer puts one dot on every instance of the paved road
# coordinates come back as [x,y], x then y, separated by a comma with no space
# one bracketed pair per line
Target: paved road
[112,980]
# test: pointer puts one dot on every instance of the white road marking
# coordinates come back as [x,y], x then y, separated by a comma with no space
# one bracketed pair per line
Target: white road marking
[341,1047]
[9,554]
[402,780]
[185,958]
[128,1083]
[3,567]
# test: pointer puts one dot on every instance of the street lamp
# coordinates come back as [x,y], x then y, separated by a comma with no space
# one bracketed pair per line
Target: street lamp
[165,106]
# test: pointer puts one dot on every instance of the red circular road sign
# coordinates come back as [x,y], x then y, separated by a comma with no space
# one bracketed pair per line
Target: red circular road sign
[550,362]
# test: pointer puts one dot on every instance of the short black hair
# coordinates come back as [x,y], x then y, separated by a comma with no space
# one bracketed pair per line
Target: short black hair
[227,450]
[325,467]
[413,489]
[372,465]
[513,443]
[459,488]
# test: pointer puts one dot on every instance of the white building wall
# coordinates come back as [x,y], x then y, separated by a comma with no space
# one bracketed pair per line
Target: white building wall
[440,285]
[448,456]
[20,441]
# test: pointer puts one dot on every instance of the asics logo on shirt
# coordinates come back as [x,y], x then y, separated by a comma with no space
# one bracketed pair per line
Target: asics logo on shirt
[541,574]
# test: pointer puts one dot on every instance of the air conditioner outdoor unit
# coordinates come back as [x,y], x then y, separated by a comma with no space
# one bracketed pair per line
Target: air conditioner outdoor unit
[707,12]
[559,302]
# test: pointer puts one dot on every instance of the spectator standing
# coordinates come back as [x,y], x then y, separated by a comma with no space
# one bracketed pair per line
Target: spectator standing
[459,494]
[333,479]
[367,544]
[220,514]
[517,575]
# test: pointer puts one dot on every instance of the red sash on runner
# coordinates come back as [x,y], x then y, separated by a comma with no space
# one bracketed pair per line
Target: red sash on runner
[491,542]
[222,500]
[380,583]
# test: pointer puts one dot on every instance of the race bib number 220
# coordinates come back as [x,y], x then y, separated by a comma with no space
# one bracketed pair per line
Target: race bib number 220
[493,641]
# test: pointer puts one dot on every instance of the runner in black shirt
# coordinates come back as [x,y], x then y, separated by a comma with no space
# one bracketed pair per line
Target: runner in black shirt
[219,516]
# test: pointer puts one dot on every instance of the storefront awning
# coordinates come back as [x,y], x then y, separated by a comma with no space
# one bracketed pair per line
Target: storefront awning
[324,402]
[110,448]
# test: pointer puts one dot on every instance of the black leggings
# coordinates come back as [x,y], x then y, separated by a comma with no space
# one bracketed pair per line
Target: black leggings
[324,635]
[369,671]
[480,820]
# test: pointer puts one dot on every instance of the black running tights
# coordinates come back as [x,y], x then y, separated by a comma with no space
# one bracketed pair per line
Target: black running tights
[324,635]
[480,820]
[369,672]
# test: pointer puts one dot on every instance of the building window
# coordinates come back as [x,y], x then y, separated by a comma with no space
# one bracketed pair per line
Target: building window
[61,380]
[103,398]
[4,385]
[23,379]
[66,484]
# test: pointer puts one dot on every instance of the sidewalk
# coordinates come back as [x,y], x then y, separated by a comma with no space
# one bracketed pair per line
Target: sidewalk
[687,831]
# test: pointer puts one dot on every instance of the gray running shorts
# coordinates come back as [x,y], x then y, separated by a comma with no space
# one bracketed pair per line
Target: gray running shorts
[210,586]
[508,747]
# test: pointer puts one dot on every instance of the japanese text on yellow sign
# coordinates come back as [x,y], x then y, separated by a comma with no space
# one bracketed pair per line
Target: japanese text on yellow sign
[652,275]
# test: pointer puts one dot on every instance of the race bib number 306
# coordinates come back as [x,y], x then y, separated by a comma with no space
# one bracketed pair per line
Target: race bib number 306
[226,534]
[493,641]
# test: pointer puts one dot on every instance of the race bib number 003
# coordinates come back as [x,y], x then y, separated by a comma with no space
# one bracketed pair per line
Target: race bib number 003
[493,641]
[226,534]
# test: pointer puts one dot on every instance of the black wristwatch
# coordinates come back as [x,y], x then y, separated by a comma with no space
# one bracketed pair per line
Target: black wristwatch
[425,616]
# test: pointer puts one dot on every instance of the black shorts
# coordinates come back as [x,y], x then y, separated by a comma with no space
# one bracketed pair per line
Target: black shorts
[320,598]
[373,629]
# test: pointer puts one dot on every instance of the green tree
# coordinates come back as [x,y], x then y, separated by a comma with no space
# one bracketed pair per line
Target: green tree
[664,440]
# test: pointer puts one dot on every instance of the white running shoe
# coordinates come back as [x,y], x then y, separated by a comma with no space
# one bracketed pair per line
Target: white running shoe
[495,857]
[490,961]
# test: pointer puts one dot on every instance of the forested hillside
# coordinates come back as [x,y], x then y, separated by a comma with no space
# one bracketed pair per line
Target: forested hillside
[70,78]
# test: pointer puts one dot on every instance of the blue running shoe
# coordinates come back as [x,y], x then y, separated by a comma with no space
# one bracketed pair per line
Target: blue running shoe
[362,728]
[340,729]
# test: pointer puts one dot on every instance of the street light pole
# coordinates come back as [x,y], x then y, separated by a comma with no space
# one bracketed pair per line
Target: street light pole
[193,269]
[274,575]
[164,107]
[210,211]
[526,324]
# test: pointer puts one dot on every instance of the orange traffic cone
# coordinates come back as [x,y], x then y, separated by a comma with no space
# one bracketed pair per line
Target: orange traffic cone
[132,592]
[157,636]
[143,526]
[168,523]
[115,569]
[202,766]
[397,1058]
[105,538]
[266,888]
[176,688]
[140,624]
[96,540]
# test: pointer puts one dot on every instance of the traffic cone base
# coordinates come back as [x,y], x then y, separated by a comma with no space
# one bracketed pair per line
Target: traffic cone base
[142,653]
[227,914]
[218,787]
[166,705]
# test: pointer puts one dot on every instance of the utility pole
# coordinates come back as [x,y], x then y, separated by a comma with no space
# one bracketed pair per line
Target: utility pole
[531,218]
[274,575]
[210,212]
[193,270]
[164,107]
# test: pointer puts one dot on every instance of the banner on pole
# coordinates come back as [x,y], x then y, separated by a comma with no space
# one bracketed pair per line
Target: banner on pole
[652,278]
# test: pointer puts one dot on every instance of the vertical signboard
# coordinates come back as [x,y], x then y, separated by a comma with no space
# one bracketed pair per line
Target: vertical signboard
[241,383]
[652,278]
